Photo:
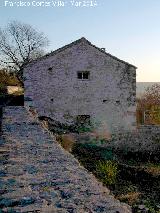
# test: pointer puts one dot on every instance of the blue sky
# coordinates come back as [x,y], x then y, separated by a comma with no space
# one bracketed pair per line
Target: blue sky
[128,29]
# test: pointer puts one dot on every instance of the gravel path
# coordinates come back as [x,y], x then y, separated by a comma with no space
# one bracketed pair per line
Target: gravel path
[37,175]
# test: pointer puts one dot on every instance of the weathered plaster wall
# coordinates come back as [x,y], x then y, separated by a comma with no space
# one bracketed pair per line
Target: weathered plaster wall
[59,94]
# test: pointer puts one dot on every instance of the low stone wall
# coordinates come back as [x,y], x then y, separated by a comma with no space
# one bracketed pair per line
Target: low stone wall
[153,129]
[145,140]
[38,175]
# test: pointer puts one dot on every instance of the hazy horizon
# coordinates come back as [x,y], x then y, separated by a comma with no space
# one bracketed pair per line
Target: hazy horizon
[142,86]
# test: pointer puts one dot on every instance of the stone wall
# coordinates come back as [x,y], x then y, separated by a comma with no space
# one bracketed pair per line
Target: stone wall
[38,175]
[145,139]
[52,86]
[150,129]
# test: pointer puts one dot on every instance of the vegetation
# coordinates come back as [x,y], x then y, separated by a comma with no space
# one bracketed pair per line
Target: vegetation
[131,178]
[83,128]
[149,104]
[66,141]
[153,169]
[128,164]
[19,44]
[8,79]
[107,171]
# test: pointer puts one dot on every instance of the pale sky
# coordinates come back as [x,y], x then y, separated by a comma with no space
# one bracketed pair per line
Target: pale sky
[128,29]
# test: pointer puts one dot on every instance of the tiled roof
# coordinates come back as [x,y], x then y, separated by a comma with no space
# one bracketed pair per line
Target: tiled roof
[77,42]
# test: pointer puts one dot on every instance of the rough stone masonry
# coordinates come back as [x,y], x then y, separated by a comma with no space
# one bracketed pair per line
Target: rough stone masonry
[81,79]
[38,175]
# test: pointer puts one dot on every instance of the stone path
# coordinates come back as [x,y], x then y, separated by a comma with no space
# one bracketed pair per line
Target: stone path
[37,175]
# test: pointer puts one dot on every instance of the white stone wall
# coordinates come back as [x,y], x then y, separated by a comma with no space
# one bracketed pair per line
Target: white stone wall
[59,94]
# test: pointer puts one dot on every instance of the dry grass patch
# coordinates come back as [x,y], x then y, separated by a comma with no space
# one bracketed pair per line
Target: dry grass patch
[130,197]
[67,141]
[153,169]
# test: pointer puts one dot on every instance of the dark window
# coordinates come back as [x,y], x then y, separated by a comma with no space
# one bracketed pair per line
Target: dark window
[83,119]
[80,75]
[83,75]
[86,75]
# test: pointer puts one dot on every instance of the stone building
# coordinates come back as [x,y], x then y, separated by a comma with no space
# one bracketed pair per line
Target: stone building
[82,82]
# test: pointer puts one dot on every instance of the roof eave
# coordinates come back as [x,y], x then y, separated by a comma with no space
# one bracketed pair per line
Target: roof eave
[74,43]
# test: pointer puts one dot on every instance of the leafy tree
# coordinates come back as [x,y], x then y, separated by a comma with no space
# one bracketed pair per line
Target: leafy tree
[149,104]
[20,44]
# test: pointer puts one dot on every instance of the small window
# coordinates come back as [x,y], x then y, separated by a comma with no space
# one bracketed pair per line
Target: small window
[80,75]
[117,102]
[83,119]
[83,75]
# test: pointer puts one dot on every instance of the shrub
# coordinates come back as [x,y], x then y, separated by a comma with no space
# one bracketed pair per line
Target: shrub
[3,89]
[152,206]
[82,128]
[107,171]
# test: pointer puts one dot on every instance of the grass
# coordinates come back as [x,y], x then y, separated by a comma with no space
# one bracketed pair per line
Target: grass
[130,175]
[130,197]
[107,171]
[130,184]
[66,141]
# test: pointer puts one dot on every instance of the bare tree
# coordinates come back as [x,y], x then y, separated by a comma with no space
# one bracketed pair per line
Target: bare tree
[19,44]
